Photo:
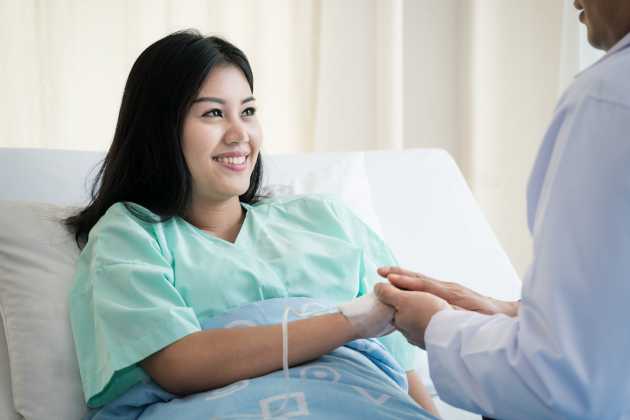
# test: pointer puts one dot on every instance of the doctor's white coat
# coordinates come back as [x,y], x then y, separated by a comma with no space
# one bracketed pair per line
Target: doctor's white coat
[567,354]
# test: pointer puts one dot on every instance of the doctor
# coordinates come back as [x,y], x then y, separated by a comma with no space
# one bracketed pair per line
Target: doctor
[563,352]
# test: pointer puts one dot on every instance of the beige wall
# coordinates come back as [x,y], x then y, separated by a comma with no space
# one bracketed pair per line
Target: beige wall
[481,80]
[432,54]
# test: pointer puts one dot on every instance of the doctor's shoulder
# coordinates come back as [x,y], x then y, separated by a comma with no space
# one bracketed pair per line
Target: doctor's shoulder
[607,80]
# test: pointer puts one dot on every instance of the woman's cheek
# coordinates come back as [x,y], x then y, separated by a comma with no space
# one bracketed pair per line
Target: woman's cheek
[256,135]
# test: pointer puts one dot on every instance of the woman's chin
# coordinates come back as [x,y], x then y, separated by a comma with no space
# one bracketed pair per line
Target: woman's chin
[235,192]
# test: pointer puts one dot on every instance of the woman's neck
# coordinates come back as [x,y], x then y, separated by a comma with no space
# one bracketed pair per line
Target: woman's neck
[222,219]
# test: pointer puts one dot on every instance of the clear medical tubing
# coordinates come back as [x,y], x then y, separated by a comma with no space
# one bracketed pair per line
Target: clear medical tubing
[285,359]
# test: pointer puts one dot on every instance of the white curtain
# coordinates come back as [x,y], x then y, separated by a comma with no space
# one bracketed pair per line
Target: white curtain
[478,78]
[328,74]
[359,85]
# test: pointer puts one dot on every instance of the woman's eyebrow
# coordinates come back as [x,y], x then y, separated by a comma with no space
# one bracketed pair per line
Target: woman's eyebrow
[219,100]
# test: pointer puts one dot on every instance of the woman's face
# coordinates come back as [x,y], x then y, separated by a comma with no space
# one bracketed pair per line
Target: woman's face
[221,136]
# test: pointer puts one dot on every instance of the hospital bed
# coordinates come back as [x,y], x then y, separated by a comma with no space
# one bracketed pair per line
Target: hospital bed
[416,199]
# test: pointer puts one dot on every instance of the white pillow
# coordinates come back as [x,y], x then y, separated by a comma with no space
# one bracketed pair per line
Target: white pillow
[37,262]
[345,178]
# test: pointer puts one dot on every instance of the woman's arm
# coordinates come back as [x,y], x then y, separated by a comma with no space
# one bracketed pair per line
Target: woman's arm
[214,358]
[419,393]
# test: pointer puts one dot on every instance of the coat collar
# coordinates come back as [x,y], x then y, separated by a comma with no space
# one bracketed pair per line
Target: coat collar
[622,44]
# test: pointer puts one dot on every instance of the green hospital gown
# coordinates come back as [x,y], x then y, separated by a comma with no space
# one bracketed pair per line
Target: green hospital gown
[141,286]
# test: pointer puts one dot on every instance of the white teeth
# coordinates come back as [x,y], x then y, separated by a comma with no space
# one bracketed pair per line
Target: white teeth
[232,160]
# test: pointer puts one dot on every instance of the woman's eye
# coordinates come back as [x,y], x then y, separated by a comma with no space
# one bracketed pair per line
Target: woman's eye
[249,112]
[213,113]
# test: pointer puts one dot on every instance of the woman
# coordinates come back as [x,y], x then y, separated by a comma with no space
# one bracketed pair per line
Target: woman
[178,234]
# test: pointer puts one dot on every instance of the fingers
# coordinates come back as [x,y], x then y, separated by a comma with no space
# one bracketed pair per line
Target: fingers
[407,283]
[383,271]
[409,280]
[418,283]
[388,294]
[386,271]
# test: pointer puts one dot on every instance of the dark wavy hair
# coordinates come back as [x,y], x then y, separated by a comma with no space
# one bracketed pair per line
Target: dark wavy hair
[145,163]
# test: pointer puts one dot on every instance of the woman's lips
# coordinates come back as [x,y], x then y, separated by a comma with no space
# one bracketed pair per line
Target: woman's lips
[236,164]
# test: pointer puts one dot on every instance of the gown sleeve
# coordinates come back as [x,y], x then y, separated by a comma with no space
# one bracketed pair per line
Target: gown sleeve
[123,305]
[375,254]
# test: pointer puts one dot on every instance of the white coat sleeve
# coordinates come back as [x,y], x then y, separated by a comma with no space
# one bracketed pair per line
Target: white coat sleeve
[566,354]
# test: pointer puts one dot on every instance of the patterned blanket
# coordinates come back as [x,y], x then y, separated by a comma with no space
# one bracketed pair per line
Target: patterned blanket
[358,380]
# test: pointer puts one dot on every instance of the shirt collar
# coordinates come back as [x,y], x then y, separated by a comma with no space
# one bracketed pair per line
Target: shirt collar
[620,45]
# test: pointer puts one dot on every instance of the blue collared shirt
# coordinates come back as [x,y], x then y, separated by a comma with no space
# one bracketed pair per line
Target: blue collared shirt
[567,354]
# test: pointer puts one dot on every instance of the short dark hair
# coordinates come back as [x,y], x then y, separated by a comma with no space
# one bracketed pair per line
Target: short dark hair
[145,163]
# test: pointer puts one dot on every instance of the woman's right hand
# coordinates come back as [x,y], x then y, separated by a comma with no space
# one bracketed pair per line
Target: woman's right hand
[460,297]
[368,316]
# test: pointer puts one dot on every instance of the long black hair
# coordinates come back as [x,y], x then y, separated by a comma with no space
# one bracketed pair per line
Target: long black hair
[145,163]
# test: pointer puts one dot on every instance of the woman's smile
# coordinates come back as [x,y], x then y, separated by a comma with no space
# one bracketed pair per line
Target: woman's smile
[234,161]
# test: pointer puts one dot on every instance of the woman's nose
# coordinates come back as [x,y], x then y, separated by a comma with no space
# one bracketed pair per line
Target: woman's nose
[236,134]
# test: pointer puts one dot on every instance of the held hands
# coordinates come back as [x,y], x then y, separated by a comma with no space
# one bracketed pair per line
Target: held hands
[416,298]
[409,303]
[413,310]
[458,296]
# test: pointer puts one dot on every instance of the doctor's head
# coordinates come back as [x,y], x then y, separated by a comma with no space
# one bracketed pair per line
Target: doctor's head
[607,21]
[187,129]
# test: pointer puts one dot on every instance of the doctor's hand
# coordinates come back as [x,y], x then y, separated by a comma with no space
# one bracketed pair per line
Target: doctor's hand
[413,310]
[457,295]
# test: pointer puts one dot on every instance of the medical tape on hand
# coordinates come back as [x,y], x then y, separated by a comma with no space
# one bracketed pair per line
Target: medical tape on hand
[360,312]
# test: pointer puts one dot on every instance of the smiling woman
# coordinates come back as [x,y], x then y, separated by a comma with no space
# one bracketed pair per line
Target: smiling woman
[220,142]
[167,132]
[176,238]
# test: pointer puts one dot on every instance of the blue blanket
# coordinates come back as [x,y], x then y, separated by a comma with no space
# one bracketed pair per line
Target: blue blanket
[358,380]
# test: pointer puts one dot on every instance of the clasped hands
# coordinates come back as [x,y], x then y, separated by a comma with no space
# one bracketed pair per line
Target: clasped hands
[410,300]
